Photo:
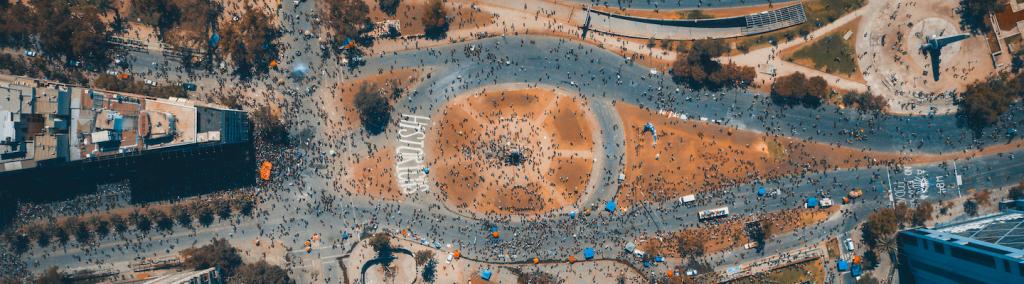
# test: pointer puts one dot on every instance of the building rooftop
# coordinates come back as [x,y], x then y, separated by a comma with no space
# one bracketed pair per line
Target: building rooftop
[43,122]
[1004,229]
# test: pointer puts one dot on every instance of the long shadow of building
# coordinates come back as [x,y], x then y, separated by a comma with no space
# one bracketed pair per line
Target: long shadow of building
[59,141]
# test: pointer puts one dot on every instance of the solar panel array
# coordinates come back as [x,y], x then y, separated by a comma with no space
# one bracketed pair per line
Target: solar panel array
[1008,233]
[775,19]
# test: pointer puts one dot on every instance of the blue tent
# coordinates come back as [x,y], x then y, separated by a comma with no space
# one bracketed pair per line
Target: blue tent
[659,259]
[812,202]
[214,40]
[610,206]
[344,235]
[485,275]
[426,170]
[494,228]
[588,253]
[855,270]
[843,265]
[760,191]
[572,214]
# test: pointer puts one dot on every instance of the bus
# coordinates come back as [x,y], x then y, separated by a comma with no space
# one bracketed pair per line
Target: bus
[714,213]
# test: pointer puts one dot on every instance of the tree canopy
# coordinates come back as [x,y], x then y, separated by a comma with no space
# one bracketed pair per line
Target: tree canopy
[435,19]
[218,253]
[974,14]
[348,18]
[261,272]
[249,42]
[373,107]
[697,68]
[798,89]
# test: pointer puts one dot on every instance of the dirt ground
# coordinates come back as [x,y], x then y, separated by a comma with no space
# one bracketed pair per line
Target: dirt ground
[409,12]
[682,14]
[339,101]
[693,156]
[375,176]
[471,147]
[730,234]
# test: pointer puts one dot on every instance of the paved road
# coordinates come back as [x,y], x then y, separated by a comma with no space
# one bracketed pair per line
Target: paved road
[678,4]
[604,78]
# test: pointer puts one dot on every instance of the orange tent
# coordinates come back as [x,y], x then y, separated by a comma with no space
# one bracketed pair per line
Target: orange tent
[405,232]
[856,259]
[572,259]
[265,170]
[495,235]
[307,243]
[308,250]
[122,76]
[669,273]
[273,64]
[457,254]
[536,260]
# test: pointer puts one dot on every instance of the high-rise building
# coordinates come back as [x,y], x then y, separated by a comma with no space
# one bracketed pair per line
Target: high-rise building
[987,249]
[45,123]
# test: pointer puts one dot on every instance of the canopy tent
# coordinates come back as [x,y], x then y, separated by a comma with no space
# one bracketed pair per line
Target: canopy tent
[588,253]
[572,214]
[760,191]
[610,206]
[812,202]
[842,265]
[485,275]
[214,40]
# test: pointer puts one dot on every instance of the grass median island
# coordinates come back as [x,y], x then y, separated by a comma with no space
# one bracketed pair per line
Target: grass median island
[831,54]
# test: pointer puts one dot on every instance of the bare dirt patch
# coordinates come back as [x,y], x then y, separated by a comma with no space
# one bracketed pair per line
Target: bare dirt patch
[339,101]
[507,152]
[409,12]
[730,234]
[375,176]
[693,156]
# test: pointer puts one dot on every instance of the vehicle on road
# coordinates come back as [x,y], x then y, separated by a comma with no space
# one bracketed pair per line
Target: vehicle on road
[713,213]
[750,245]
[826,202]
[855,193]
[31,53]
[150,82]
[188,86]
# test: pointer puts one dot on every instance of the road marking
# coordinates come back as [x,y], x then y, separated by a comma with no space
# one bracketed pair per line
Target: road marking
[891,199]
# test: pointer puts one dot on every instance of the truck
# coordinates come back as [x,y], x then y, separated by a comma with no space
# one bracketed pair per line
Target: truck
[855,193]
[826,202]
[687,198]
[713,213]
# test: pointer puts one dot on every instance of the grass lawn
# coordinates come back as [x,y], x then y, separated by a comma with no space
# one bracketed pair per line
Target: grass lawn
[811,271]
[819,13]
[831,54]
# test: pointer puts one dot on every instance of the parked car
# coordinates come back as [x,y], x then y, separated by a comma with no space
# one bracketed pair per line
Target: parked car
[188,86]
[31,53]
[849,244]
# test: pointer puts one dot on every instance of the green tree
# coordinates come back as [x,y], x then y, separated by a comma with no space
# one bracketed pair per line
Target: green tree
[435,19]
[373,107]
[922,213]
[429,271]
[261,272]
[218,253]
[100,225]
[974,14]
[269,126]
[249,42]
[698,69]
[797,88]
[181,215]
[52,276]
[348,18]
[1017,192]
[140,220]
[389,6]
[118,223]
[423,256]
[162,220]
